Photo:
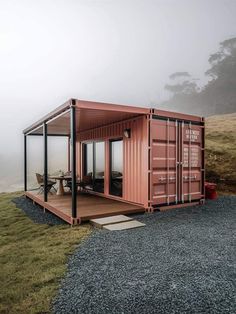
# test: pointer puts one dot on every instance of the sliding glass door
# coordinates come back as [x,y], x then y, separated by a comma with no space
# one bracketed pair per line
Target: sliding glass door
[116,167]
[88,159]
[99,167]
[88,165]
[94,165]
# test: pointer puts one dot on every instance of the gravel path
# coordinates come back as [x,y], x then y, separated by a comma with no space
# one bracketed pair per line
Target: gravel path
[35,212]
[183,261]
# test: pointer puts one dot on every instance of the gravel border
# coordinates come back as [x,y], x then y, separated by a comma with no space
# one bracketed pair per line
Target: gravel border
[183,261]
[35,212]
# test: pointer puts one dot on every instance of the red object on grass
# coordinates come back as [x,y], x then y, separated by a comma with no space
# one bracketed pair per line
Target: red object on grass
[210,189]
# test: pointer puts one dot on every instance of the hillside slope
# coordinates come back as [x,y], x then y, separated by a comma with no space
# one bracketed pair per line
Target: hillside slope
[221,150]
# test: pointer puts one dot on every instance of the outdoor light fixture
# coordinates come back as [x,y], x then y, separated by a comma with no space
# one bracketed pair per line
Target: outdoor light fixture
[127,133]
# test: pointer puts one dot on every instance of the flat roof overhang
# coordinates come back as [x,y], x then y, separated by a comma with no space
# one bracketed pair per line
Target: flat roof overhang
[89,115]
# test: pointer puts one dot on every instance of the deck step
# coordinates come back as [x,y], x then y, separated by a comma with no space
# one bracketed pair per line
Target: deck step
[124,225]
[100,222]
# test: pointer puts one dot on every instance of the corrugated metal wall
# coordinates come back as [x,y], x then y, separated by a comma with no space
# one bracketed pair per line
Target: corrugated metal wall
[177,161]
[135,150]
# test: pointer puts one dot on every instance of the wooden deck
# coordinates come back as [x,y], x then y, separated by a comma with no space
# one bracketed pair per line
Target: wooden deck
[88,206]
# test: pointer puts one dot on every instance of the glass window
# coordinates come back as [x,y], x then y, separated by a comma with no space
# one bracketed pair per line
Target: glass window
[99,158]
[88,159]
[94,165]
[116,175]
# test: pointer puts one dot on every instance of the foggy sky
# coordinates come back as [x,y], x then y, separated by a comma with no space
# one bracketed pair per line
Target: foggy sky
[102,50]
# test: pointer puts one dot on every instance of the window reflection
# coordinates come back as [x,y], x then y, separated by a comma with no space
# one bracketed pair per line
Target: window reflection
[99,166]
[94,165]
[116,175]
[88,159]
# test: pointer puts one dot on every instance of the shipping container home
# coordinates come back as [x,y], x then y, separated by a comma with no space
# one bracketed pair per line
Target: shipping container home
[121,159]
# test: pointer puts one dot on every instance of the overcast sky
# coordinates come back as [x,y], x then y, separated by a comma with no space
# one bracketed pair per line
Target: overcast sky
[119,51]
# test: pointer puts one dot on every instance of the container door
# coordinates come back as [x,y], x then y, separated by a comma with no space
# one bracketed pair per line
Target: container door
[176,161]
[164,186]
[191,162]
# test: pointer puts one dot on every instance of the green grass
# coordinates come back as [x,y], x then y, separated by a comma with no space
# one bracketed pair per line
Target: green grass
[221,150]
[32,259]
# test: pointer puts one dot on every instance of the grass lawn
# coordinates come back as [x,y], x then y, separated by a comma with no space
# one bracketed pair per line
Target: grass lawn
[32,259]
[221,151]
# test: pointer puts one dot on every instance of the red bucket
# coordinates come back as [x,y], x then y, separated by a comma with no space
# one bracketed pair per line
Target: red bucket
[210,190]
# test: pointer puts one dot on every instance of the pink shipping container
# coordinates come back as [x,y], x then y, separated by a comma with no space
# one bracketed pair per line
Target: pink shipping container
[149,158]
[177,158]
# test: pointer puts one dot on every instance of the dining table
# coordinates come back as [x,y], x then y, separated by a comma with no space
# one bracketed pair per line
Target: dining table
[60,179]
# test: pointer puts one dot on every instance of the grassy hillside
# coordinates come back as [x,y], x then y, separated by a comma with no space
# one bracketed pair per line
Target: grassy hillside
[33,259]
[221,151]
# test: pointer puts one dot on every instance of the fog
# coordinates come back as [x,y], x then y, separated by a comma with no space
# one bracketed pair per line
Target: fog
[111,51]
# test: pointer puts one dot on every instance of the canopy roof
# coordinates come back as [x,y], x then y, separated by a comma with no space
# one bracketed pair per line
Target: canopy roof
[89,115]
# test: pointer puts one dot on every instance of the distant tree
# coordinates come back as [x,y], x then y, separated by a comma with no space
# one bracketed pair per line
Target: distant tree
[223,62]
[218,95]
[182,86]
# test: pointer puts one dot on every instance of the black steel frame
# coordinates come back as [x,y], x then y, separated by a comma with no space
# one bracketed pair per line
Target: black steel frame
[73,160]
[55,135]
[25,162]
[45,138]
[73,157]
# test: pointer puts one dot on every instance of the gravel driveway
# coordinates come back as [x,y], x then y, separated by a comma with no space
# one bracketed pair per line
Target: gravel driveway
[183,261]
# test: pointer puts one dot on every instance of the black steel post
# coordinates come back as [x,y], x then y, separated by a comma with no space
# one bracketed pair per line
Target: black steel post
[94,164]
[68,155]
[45,137]
[25,162]
[73,160]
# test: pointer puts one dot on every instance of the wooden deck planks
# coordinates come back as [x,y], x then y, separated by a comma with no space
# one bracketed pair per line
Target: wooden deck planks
[89,206]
